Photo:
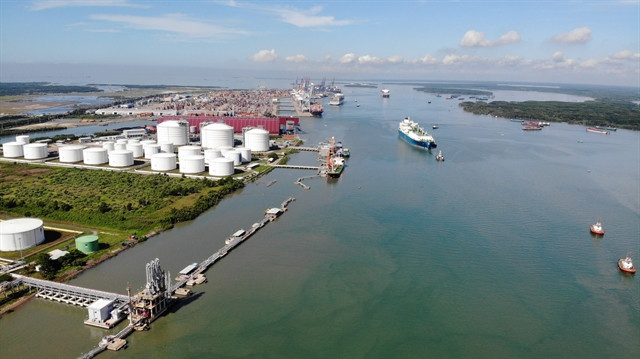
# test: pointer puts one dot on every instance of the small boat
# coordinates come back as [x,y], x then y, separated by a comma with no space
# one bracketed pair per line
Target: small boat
[626,265]
[597,130]
[385,93]
[597,228]
[607,128]
[435,126]
[440,157]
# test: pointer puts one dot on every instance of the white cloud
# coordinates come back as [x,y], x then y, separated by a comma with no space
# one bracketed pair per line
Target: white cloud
[172,23]
[367,59]
[510,60]
[580,35]
[309,18]
[296,58]
[52,4]
[395,59]
[426,59]
[265,56]
[625,55]
[558,56]
[474,38]
[348,58]
[589,64]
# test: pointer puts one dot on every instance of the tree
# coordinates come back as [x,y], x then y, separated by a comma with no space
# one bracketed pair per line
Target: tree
[48,267]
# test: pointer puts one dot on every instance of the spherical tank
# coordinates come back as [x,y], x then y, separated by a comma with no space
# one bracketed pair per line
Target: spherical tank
[257,140]
[221,167]
[136,148]
[109,145]
[13,149]
[150,150]
[163,162]
[21,233]
[120,158]
[166,147]
[95,156]
[35,151]
[192,164]
[235,156]
[176,132]
[210,154]
[24,139]
[216,135]
[70,153]
[189,151]
[245,154]
[87,244]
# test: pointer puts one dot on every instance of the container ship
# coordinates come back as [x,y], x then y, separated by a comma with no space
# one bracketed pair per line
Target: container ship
[411,132]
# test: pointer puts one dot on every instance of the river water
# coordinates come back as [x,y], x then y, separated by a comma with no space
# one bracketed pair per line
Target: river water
[486,255]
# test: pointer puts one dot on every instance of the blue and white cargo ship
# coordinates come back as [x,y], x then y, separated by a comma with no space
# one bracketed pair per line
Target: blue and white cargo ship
[416,135]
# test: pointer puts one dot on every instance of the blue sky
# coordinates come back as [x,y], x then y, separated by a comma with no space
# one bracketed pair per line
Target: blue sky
[566,41]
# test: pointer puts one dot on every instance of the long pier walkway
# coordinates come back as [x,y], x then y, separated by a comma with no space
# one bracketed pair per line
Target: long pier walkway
[70,294]
[297,167]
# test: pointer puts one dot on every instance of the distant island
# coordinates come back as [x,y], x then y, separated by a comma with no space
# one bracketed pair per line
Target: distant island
[361,84]
[611,106]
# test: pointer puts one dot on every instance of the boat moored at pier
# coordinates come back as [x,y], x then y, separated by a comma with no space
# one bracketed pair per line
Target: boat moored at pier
[411,132]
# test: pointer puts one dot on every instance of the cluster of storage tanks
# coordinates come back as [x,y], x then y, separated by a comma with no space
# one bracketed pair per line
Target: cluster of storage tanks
[216,149]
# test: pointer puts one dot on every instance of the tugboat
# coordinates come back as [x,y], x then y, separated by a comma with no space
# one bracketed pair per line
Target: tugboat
[440,157]
[597,228]
[626,265]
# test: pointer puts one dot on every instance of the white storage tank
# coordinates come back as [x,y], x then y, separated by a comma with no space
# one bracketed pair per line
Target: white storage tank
[150,150]
[189,151]
[120,158]
[176,132]
[136,148]
[192,164]
[163,162]
[133,140]
[147,142]
[123,141]
[13,149]
[70,153]
[95,156]
[245,154]
[257,140]
[216,135]
[235,156]
[166,147]
[21,233]
[24,139]
[109,145]
[221,167]
[211,154]
[120,146]
[35,151]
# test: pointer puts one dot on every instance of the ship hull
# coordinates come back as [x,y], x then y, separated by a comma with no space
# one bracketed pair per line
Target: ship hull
[421,144]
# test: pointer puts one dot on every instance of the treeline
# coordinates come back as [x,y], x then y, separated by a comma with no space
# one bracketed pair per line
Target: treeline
[121,200]
[40,88]
[590,113]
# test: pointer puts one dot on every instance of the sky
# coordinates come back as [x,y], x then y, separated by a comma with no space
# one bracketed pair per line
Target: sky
[557,41]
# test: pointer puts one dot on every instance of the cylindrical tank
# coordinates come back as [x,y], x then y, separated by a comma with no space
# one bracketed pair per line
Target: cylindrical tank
[192,164]
[87,244]
[163,162]
[235,156]
[120,146]
[257,140]
[24,139]
[122,141]
[176,132]
[70,153]
[189,151]
[245,154]
[13,149]
[120,158]
[166,147]
[21,233]
[221,167]
[35,151]
[216,135]
[211,154]
[136,148]
[133,140]
[109,145]
[150,150]
[95,155]
[147,142]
